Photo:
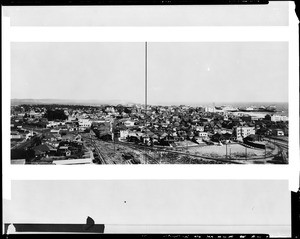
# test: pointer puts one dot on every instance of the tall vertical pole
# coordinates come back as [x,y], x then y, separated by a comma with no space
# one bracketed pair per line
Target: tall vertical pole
[146,75]
[226,150]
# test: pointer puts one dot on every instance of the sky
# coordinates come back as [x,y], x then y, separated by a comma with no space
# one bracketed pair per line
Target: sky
[271,14]
[261,206]
[87,71]
[218,72]
[178,73]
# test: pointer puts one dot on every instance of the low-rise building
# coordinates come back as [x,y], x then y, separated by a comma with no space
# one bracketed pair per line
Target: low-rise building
[84,123]
[242,132]
[203,135]
[277,118]
[278,132]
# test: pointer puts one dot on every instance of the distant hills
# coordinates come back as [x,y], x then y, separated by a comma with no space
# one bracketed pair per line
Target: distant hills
[68,102]
[280,106]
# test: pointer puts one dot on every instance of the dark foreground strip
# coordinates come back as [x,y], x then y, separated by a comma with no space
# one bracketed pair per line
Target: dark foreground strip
[35,227]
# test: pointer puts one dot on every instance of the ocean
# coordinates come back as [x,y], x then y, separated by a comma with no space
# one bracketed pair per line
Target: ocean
[282,108]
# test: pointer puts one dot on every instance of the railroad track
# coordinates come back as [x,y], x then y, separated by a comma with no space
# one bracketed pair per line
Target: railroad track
[142,150]
[175,152]
[284,146]
[281,145]
[102,158]
[94,144]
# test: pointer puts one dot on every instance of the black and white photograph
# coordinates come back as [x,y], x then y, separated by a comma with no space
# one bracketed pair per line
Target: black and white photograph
[150,206]
[149,103]
[172,120]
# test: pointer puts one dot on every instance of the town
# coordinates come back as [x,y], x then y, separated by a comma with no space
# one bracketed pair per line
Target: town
[147,134]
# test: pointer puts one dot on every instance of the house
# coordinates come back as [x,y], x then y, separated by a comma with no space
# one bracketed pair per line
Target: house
[15,135]
[203,135]
[55,131]
[246,118]
[41,150]
[124,134]
[84,124]
[199,128]
[278,132]
[52,124]
[217,137]
[128,123]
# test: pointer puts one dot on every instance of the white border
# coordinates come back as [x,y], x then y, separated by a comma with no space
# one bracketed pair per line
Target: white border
[153,34]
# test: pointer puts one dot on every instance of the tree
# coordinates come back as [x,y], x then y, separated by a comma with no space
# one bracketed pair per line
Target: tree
[55,114]
[268,117]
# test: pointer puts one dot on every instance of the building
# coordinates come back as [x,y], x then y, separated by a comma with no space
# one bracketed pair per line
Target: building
[277,118]
[18,161]
[124,134]
[84,123]
[278,132]
[129,123]
[199,128]
[52,124]
[15,135]
[242,132]
[203,135]
[73,161]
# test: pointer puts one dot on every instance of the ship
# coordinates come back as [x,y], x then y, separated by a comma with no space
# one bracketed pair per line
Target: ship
[271,108]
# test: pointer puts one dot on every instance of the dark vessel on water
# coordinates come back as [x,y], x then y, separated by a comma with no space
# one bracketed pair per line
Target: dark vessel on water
[271,108]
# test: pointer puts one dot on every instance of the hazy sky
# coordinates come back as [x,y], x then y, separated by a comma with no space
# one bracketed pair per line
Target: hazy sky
[272,14]
[218,72]
[177,72]
[100,71]
[257,203]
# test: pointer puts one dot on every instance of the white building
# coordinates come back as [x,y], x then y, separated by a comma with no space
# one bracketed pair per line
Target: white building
[278,132]
[84,123]
[243,132]
[52,124]
[203,134]
[73,161]
[124,134]
[56,131]
[129,123]
[200,128]
[276,118]
[15,135]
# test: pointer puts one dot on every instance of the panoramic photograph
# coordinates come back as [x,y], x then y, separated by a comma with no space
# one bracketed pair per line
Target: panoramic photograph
[149,103]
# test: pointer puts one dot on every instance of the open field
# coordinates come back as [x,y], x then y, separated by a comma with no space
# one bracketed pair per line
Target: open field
[234,151]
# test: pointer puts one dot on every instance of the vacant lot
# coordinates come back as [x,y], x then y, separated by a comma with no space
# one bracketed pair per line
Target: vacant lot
[233,151]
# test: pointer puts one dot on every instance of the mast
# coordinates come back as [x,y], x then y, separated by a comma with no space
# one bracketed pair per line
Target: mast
[146,74]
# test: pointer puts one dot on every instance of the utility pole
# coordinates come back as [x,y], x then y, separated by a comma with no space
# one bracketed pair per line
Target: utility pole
[265,152]
[226,150]
[113,133]
[187,148]
[246,151]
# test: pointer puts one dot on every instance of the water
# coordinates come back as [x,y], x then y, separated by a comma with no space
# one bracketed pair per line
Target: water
[281,107]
